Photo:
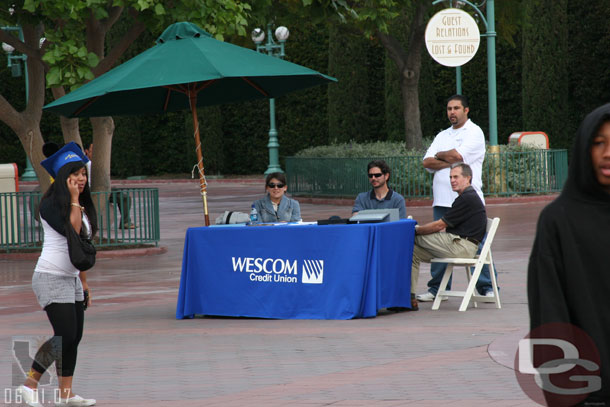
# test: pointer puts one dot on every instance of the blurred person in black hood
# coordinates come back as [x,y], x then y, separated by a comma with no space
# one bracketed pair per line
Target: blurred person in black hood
[569,266]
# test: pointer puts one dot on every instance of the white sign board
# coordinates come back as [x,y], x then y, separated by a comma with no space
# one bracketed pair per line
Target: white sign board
[452,37]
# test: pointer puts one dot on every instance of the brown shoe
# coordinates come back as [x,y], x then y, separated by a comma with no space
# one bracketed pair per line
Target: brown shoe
[414,304]
[398,309]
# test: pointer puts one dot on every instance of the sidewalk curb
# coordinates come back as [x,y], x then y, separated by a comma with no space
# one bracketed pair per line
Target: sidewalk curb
[102,254]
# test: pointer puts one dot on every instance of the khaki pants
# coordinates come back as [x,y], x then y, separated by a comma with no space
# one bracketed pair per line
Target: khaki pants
[439,244]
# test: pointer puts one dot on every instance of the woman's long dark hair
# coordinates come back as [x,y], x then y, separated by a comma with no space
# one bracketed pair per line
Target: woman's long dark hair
[59,194]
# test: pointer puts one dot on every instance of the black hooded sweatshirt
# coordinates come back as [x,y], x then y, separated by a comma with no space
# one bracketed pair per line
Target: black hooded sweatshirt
[569,267]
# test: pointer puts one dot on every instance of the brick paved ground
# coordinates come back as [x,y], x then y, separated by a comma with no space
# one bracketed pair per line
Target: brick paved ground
[135,353]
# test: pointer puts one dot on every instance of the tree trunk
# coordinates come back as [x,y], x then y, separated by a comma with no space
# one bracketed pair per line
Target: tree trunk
[71,131]
[26,124]
[69,127]
[31,140]
[412,115]
[27,127]
[103,130]
[408,63]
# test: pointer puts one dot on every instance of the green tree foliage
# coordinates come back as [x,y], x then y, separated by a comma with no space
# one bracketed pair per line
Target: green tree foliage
[545,71]
[356,102]
[372,18]
[399,27]
[13,88]
[75,51]
[439,82]
[301,117]
[530,59]
[72,57]
[394,115]
[588,45]
[245,127]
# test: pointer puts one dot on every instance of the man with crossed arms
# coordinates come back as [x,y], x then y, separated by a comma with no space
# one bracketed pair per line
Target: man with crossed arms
[462,142]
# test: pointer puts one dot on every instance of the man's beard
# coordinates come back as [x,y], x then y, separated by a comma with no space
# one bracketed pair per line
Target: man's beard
[379,185]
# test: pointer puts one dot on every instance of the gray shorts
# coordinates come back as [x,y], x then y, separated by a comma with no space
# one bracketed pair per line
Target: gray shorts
[50,288]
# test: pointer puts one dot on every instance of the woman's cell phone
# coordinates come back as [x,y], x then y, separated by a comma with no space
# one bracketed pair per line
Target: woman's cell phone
[86,300]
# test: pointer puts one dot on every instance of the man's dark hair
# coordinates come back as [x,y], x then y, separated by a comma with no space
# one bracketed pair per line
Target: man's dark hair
[466,170]
[463,99]
[382,165]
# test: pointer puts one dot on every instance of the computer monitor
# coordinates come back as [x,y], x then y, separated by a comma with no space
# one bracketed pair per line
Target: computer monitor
[375,216]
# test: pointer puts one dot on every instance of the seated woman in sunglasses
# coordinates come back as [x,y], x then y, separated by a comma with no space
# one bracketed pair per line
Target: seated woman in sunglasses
[276,206]
[381,196]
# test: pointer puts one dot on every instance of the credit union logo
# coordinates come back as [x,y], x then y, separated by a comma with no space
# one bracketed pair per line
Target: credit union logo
[312,272]
[272,270]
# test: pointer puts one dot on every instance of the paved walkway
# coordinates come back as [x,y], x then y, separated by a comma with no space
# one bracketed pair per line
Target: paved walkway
[135,353]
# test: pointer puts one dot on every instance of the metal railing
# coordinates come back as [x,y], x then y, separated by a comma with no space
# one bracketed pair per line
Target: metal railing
[525,172]
[504,174]
[126,217]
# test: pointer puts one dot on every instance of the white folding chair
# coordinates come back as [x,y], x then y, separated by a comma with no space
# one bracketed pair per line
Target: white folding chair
[477,262]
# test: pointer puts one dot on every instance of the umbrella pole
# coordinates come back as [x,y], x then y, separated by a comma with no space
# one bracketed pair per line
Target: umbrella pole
[202,182]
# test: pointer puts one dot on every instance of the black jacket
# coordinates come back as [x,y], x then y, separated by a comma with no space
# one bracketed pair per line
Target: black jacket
[569,267]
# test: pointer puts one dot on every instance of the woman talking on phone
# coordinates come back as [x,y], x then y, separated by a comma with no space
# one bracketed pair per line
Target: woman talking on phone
[61,289]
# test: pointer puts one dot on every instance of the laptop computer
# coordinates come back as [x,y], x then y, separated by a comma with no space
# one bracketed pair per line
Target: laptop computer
[375,216]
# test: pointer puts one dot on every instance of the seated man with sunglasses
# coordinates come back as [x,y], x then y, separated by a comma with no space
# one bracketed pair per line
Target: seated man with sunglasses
[276,206]
[381,196]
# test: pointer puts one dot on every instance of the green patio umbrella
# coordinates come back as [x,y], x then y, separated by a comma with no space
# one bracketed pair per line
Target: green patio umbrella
[187,68]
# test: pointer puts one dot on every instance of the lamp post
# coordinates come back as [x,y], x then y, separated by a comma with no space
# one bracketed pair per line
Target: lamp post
[490,33]
[14,62]
[275,49]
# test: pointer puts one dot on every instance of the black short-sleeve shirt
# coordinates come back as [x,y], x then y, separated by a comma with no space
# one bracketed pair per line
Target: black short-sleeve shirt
[467,216]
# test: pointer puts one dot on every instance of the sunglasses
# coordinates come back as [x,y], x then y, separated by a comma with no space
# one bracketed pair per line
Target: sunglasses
[379,174]
[274,185]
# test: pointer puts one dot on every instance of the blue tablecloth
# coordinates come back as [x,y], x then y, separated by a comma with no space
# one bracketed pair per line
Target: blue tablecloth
[300,271]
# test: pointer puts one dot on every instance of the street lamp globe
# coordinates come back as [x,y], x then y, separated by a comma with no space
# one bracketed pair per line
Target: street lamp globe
[282,33]
[8,48]
[258,35]
[455,3]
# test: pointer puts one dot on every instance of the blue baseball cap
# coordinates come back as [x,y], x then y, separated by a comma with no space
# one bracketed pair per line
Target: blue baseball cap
[69,153]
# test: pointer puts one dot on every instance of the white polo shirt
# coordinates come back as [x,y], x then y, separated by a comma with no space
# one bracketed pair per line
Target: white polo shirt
[469,141]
